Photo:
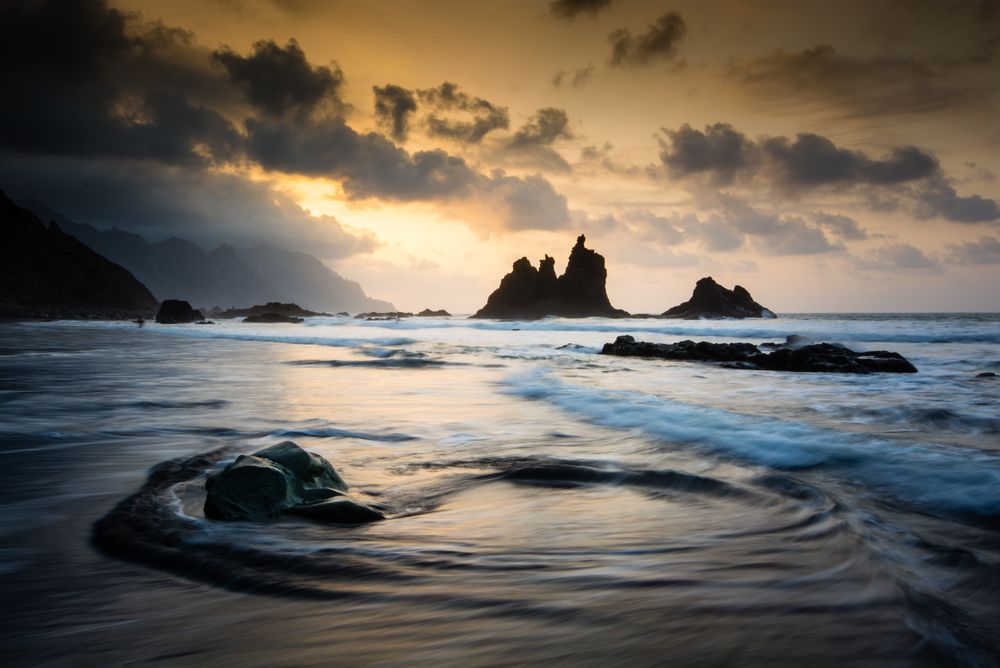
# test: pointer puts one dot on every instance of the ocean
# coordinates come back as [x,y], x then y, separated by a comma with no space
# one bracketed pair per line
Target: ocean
[547,505]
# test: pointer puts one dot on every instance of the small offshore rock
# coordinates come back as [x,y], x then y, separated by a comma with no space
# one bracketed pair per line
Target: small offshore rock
[177,311]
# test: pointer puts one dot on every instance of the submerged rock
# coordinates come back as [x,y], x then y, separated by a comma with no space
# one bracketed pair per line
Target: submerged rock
[529,293]
[711,300]
[808,357]
[268,309]
[271,318]
[281,479]
[177,311]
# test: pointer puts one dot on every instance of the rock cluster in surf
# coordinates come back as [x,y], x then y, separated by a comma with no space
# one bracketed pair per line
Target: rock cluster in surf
[283,479]
[795,356]
[711,300]
[528,293]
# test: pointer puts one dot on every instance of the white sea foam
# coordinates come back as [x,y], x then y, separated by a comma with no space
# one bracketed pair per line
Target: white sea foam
[936,477]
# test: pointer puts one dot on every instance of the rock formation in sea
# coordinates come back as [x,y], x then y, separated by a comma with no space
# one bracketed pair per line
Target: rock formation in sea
[428,313]
[529,293]
[383,315]
[45,272]
[711,300]
[269,317]
[283,479]
[176,312]
[792,356]
[292,310]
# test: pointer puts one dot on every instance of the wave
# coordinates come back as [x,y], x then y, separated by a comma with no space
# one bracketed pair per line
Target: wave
[939,479]
[210,403]
[332,432]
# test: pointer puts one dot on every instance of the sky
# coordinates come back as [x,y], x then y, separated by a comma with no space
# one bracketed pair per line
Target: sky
[826,156]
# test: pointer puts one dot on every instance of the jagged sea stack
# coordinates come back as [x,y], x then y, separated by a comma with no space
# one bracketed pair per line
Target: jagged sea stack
[529,293]
[711,300]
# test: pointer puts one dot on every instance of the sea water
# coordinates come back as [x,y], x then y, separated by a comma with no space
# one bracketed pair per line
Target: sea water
[547,504]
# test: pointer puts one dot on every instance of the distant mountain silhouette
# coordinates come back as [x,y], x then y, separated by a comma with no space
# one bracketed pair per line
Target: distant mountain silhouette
[580,292]
[47,273]
[226,276]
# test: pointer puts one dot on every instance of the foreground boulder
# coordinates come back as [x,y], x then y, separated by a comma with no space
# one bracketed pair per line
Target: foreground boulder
[282,479]
[527,293]
[176,311]
[711,300]
[808,357]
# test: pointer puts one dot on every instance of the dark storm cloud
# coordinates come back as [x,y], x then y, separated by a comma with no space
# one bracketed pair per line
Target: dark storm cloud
[984,251]
[75,97]
[839,225]
[658,43]
[719,151]
[813,160]
[545,127]
[206,207]
[810,160]
[394,106]
[939,200]
[370,166]
[570,9]
[447,98]
[279,80]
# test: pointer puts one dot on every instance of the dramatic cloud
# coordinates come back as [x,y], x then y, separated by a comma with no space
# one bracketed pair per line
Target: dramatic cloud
[279,80]
[720,152]
[446,98]
[905,176]
[863,87]
[813,160]
[394,105]
[579,77]
[940,200]
[984,251]
[658,43]
[205,207]
[898,257]
[570,9]
[545,127]
[839,225]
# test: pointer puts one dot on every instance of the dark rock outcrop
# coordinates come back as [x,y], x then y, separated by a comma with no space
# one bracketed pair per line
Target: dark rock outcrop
[281,479]
[383,315]
[177,311]
[440,313]
[529,293]
[271,318]
[47,273]
[811,357]
[279,308]
[711,300]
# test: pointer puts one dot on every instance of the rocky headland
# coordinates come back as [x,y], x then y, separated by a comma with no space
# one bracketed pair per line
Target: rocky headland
[527,293]
[45,273]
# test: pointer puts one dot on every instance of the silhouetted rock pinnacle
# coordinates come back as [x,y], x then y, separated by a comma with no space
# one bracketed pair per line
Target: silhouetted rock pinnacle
[711,300]
[580,292]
